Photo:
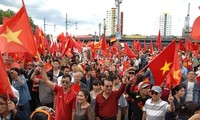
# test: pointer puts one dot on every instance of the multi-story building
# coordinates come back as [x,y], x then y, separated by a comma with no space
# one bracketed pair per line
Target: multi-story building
[165,24]
[110,21]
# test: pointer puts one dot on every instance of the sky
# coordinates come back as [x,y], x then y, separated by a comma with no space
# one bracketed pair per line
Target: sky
[140,16]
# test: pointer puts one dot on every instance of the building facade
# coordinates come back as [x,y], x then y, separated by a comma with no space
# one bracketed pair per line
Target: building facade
[165,24]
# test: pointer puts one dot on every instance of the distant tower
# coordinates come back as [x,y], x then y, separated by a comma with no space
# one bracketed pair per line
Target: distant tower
[186,29]
[165,24]
[111,21]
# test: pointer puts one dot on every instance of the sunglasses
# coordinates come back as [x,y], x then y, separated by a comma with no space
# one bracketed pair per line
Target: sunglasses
[108,86]
[132,73]
[3,103]
[154,92]
[65,82]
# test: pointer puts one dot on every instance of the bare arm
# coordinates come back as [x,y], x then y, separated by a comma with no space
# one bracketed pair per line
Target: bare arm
[144,116]
[171,108]
[46,80]
[33,76]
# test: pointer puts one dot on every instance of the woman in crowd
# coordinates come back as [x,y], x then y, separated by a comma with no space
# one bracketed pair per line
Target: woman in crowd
[178,92]
[84,111]
[96,90]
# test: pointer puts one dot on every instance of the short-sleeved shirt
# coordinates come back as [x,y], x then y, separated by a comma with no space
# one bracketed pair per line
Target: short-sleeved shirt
[155,111]
[65,103]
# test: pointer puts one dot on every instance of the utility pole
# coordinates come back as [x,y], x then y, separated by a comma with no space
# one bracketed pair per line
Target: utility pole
[54,26]
[104,26]
[99,31]
[67,22]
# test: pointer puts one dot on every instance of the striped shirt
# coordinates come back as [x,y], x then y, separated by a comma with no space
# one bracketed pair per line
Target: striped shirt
[155,111]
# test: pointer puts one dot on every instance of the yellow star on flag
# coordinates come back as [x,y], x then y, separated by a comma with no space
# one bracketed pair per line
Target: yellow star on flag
[175,74]
[165,67]
[12,36]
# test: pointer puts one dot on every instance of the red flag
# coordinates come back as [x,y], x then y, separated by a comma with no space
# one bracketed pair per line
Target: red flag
[162,64]
[5,19]
[104,46]
[188,45]
[151,47]
[175,75]
[145,46]
[181,46]
[158,41]
[5,86]
[128,51]
[16,34]
[195,33]
[68,45]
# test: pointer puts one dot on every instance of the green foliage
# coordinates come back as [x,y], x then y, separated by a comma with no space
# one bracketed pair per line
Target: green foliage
[9,13]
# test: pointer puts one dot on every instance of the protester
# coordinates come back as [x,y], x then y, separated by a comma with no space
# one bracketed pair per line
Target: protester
[192,88]
[155,108]
[88,79]
[65,97]
[9,110]
[139,98]
[19,83]
[107,101]
[96,90]
[45,93]
[178,92]
[84,111]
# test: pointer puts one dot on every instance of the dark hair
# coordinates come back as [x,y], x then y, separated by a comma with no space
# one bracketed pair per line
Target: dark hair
[86,94]
[50,76]
[188,109]
[88,68]
[67,75]
[106,79]
[140,78]
[16,69]
[56,60]
[114,77]
[96,82]
[39,116]
[177,88]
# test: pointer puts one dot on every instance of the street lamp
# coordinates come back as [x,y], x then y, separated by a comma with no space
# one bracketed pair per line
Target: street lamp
[99,31]
[118,33]
[104,26]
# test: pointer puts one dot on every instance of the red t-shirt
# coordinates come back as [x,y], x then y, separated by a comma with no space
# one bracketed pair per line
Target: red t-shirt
[65,103]
[108,108]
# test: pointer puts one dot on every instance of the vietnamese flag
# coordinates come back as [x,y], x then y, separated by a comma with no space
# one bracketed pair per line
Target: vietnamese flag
[174,77]
[195,33]
[16,34]
[158,41]
[162,64]
[5,87]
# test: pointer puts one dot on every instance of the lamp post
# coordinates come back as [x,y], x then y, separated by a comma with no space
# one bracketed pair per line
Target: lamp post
[99,31]
[104,26]
[118,33]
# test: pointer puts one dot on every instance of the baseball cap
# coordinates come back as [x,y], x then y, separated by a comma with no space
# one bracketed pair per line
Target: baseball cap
[142,85]
[156,89]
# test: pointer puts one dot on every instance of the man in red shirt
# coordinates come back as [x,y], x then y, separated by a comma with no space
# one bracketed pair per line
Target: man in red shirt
[65,97]
[106,106]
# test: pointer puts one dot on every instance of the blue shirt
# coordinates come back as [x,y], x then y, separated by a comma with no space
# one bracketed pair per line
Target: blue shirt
[24,94]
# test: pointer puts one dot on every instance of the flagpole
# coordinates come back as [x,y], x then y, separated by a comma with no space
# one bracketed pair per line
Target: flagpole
[23,3]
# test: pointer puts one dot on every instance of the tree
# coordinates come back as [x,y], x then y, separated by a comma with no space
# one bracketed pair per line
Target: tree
[9,13]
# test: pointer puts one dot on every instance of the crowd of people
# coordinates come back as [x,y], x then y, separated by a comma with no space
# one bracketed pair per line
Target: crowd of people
[78,89]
